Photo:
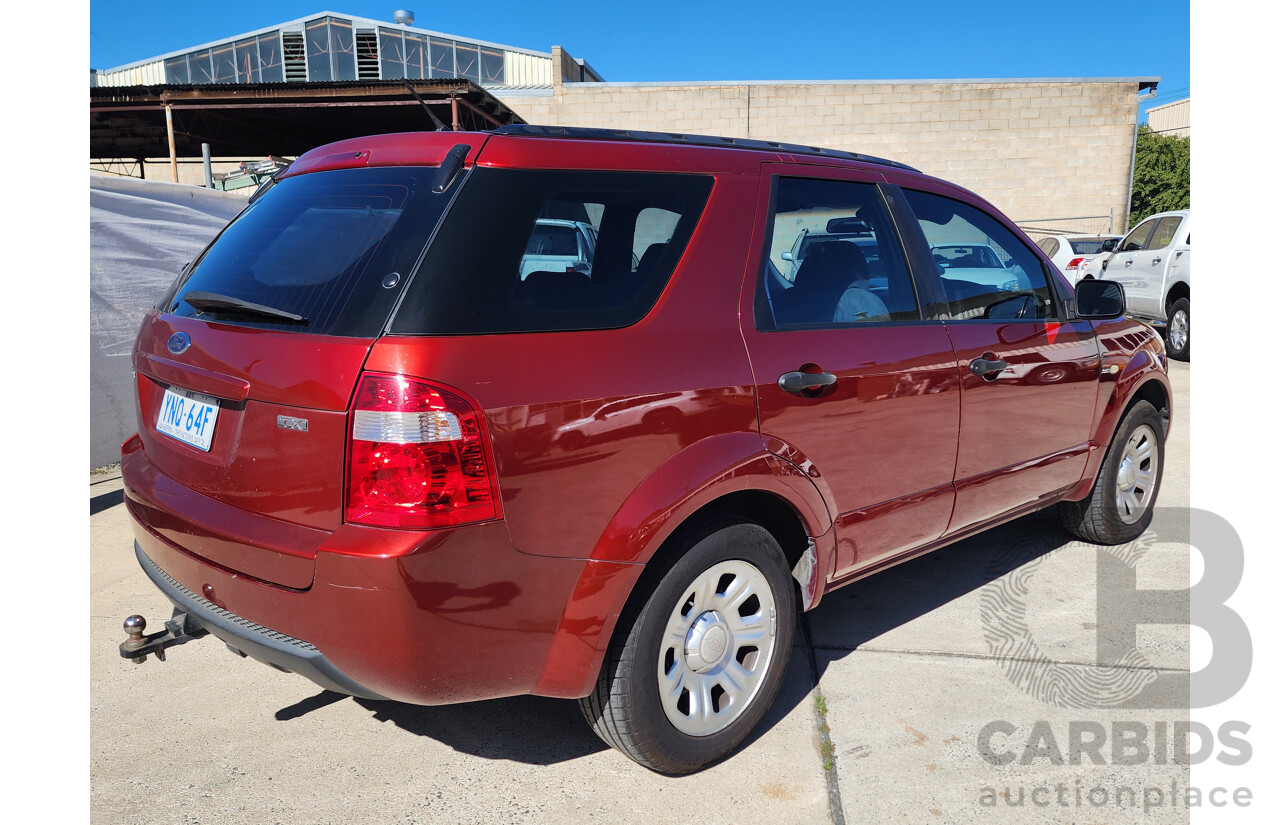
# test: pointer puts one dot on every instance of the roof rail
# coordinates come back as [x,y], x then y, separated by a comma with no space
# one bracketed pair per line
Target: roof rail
[583,133]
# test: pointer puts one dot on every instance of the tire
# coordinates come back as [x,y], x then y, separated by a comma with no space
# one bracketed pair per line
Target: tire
[697,598]
[1177,334]
[1123,499]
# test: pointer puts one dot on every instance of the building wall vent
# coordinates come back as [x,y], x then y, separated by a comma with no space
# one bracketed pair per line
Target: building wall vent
[295,57]
[367,55]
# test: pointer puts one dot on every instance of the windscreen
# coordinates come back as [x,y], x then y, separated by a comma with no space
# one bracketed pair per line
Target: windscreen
[331,248]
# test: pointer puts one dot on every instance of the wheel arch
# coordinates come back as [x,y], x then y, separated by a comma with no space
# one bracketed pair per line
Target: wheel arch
[1143,379]
[721,479]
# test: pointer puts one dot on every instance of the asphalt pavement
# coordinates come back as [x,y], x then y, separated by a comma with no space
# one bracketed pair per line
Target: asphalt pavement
[960,687]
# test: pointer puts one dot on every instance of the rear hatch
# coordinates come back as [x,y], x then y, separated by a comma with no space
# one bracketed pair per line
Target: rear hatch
[246,367]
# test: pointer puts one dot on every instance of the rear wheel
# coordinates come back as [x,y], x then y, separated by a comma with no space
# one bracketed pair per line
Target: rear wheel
[695,667]
[1177,334]
[1124,495]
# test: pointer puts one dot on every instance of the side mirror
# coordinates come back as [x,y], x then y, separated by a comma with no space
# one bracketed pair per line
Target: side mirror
[1109,245]
[787,256]
[1099,300]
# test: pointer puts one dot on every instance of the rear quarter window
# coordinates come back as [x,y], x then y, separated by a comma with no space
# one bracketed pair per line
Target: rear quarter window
[481,275]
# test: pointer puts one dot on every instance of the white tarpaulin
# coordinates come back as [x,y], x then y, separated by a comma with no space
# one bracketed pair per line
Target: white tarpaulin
[140,235]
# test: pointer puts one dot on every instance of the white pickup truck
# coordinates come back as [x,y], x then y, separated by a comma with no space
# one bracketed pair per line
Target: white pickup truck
[1153,262]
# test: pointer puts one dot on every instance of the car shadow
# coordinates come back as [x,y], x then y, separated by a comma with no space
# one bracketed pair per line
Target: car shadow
[541,731]
[855,614]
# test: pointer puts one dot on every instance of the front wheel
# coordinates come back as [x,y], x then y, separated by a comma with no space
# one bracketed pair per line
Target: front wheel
[695,669]
[1124,495]
[1178,333]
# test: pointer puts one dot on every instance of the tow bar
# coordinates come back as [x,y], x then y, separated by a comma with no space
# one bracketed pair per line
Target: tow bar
[178,630]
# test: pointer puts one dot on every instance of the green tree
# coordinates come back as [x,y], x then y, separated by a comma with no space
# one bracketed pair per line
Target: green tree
[1161,175]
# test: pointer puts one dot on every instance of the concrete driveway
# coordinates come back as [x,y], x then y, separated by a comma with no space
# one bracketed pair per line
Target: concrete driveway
[904,702]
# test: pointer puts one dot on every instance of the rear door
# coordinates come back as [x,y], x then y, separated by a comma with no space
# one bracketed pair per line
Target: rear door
[1028,374]
[856,382]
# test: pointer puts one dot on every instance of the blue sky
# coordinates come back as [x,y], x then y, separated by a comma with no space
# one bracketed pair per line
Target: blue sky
[747,40]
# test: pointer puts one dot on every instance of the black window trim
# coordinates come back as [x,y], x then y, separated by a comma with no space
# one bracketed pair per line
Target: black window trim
[458,185]
[759,301]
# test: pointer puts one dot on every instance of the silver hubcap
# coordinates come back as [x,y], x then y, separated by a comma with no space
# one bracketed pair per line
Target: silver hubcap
[1179,329]
[718,645]
[1136,478]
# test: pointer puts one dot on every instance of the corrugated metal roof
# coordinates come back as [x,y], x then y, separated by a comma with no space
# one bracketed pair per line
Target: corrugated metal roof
[287,119]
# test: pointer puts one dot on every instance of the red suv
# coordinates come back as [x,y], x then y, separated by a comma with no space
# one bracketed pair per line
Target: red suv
[376,449]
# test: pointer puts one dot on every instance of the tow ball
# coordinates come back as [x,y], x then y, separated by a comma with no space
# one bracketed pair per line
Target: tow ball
[180,629]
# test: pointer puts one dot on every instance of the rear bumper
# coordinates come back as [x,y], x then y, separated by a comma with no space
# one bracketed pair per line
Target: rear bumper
[253,640]
[428,618]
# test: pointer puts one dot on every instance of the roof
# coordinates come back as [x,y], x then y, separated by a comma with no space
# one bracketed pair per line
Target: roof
[259,119]
[575,133]
[1183,102]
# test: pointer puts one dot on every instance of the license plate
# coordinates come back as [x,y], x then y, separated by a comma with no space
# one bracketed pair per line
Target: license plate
[188,416]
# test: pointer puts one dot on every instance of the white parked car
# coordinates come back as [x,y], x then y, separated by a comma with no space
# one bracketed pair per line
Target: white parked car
[978,264]
[1072,253]
[1153,262]
[559,246]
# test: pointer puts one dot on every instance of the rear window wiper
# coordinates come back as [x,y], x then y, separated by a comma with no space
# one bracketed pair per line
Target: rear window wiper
[217,302]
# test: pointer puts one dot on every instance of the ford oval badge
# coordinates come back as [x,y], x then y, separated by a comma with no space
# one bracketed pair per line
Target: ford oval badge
[178,343]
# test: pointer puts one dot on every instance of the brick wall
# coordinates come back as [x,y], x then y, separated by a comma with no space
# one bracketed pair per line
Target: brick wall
[1034,149]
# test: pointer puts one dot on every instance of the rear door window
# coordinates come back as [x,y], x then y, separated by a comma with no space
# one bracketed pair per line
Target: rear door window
[331,247]
[1050,246]
[987,272]
[503,262]
[1164,233]
[833,259]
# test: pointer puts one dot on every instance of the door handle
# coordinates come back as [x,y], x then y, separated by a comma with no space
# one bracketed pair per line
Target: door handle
[1128,262]
[984,368]
[800,381]
[1155,261]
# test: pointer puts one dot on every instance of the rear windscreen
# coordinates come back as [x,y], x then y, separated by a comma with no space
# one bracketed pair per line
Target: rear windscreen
[334,248]
[1089,247]
[506,259]
[552,240]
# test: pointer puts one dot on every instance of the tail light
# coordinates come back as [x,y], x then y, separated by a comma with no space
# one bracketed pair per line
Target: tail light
[1075,263]
[417,457]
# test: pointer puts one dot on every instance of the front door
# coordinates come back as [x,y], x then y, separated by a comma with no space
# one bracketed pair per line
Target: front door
[855,386]
[1029,376]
